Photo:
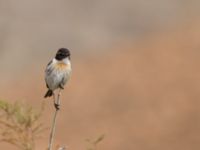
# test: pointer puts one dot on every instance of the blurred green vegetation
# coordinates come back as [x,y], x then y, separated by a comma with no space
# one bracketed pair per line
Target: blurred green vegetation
[93,143]
[20,124]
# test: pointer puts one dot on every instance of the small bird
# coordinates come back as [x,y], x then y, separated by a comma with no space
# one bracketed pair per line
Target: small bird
[58,72]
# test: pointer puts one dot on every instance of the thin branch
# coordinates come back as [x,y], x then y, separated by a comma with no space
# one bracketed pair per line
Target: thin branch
[53,128]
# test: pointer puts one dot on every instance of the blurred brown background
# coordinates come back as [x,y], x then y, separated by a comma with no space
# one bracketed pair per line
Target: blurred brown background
[136,75]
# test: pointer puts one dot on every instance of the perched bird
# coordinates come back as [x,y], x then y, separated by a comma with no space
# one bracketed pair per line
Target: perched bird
[58,71]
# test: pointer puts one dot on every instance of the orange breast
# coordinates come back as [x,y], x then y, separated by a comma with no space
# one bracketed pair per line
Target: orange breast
[61,66]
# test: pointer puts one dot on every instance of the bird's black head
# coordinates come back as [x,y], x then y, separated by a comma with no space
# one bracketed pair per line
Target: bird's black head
[62,53]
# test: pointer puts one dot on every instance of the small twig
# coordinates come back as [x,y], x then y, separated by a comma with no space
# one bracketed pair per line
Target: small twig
[54,121]
[62,148]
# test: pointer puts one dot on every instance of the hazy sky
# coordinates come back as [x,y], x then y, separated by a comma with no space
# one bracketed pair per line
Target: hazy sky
[35,29]
[82,25]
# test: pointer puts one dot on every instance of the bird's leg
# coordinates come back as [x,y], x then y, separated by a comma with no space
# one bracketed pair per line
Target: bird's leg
[57,101]
[61,86]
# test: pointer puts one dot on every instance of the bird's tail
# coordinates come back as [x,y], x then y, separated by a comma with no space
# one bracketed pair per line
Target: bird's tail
[48,94]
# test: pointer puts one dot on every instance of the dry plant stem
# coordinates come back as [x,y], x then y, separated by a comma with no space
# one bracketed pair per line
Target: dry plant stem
[56,101]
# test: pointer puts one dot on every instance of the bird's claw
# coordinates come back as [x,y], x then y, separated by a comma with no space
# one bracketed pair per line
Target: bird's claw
[57,106]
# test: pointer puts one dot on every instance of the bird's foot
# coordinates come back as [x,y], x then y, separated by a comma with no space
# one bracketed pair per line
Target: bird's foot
[57,106]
